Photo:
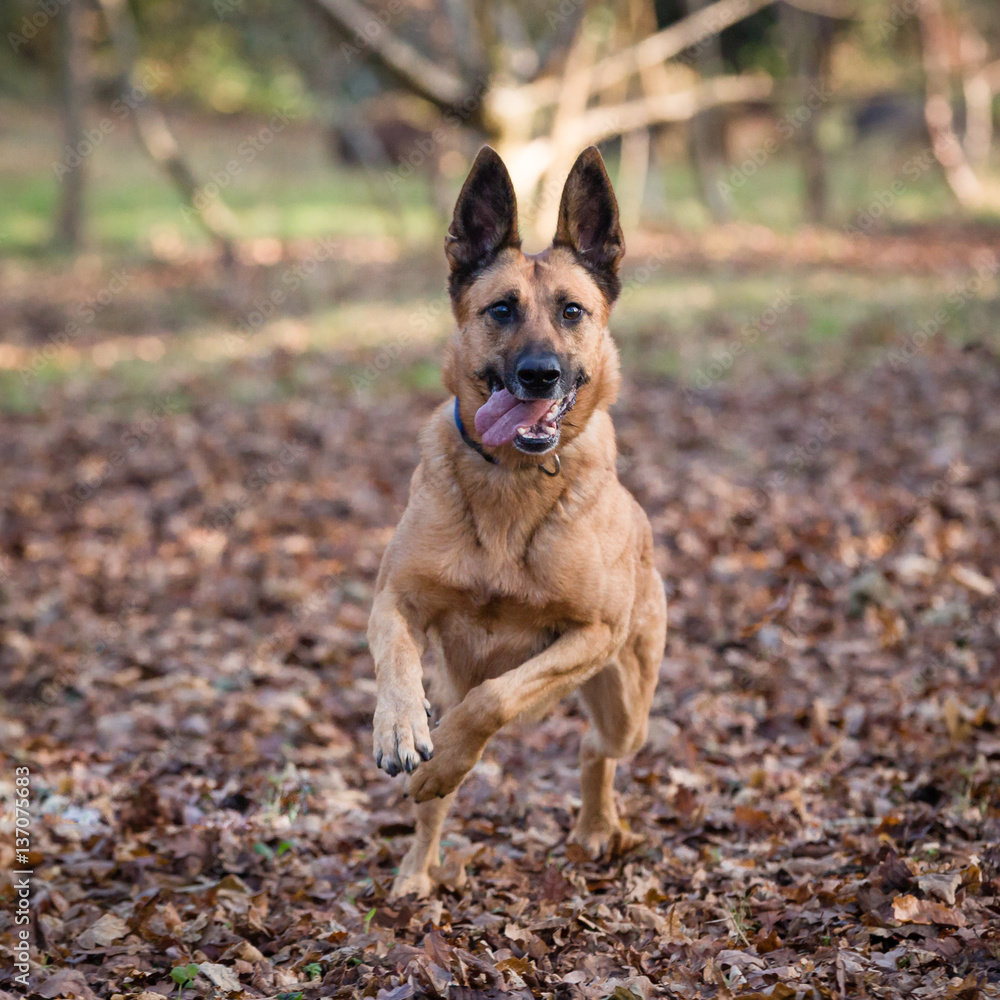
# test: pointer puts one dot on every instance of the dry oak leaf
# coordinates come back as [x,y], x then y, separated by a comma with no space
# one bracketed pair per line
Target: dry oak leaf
[910,910]
[781,991]
[66,983]
[675,932]
[244,950]
[940,885]
[103,932]
[635,987]
[221,976]
[754,821]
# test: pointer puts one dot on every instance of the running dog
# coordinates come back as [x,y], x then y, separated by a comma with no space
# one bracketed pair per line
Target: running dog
[520,561]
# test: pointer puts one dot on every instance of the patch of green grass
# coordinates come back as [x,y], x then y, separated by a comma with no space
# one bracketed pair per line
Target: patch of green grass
[424,376]
[781,321]
[21,394]
[290,188]
[674,325]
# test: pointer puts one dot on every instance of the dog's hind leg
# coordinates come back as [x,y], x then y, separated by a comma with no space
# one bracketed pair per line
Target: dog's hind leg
[598,828]
[425,851]
[617,728]
[618,700]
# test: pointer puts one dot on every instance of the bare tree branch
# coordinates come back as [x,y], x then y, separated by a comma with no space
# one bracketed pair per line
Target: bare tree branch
[841,10]
[154,133]
[671,41]
[528,162]
[565,142]
[991,74]
[694,29]
[601,123]
[423,76]
[937,106]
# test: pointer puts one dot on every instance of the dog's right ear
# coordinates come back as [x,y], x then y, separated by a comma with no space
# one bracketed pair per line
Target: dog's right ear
[588,221]
[485,220]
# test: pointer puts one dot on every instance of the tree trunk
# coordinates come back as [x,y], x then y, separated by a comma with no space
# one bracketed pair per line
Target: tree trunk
[74,93]
[978,98]
[961,177]
[565,137]
[632,174]
[807,39]
[707,130]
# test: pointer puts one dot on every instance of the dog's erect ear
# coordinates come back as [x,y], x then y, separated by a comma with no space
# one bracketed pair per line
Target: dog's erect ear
[588,221]
[485,220]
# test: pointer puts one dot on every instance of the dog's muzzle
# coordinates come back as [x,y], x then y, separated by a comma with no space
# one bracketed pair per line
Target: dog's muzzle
[532,425]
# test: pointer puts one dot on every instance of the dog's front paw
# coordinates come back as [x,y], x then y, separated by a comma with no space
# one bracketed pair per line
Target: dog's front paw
[402,737]
[455,754]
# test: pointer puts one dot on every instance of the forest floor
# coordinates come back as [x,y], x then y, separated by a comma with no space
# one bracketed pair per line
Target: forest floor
[190,527]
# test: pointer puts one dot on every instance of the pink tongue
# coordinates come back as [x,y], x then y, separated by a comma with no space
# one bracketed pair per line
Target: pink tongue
[498,419]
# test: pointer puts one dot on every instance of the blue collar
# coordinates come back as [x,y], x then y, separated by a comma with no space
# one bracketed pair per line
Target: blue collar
[471,442]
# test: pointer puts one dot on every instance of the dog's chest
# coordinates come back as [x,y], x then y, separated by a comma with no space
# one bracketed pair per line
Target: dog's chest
[486,634]
[501,578]
[533,578]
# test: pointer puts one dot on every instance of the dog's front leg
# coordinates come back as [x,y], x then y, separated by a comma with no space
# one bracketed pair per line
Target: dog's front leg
[462,736]
[401,734]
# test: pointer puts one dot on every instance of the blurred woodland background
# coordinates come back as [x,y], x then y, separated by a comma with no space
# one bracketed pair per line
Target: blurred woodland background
[222,308]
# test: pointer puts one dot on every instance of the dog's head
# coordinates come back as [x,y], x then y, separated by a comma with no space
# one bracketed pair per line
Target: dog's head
[532,358]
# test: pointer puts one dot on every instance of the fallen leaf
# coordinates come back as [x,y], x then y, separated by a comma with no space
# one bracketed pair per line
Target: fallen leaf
[103,932]
[973,580]
[891,874]
[555,886]
[66,983]
[940,885]
[910,910]
[221,976]
[754,821]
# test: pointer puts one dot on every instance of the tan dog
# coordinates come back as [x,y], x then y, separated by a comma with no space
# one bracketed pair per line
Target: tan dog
[520,559]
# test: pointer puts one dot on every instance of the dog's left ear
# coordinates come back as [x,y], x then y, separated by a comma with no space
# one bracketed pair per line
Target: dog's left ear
[588,221]
[485,220]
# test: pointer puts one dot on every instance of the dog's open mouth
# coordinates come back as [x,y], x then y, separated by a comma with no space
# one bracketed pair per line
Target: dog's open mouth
[532,424]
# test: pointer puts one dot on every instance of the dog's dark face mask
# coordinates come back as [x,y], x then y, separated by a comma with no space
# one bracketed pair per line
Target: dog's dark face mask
[532,358]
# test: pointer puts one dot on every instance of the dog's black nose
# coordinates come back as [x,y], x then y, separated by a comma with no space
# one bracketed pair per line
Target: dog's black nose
[538,372]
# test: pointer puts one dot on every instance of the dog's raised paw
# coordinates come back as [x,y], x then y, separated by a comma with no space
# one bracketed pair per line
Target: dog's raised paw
[456,753]
[402,738]
[434,781]
[440,776]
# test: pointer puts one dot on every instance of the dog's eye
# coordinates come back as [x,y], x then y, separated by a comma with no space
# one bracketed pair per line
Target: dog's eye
[501,312]
[572,312]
